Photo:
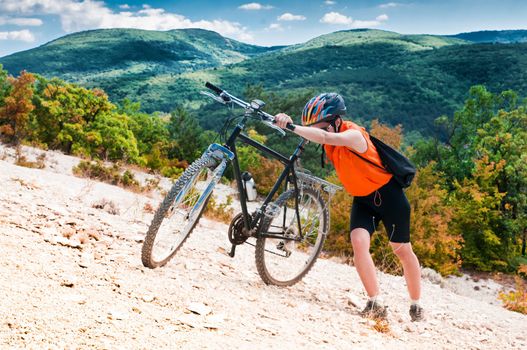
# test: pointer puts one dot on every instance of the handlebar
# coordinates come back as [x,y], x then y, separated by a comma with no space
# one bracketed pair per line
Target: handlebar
[213,88]
[225,97]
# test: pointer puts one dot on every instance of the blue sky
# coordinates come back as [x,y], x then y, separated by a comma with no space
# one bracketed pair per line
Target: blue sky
[28,23]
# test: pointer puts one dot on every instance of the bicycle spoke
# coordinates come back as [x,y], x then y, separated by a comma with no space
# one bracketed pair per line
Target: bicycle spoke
[285,261]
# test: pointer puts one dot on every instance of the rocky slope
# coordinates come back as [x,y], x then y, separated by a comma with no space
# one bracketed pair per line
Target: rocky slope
[71,277]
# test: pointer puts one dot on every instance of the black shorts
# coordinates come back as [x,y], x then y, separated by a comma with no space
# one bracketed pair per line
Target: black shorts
[389,204]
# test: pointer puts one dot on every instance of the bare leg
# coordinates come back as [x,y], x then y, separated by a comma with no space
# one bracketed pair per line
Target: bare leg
[360,239]
[412,271]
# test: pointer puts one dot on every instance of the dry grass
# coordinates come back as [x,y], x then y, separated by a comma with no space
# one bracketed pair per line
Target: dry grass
[219,212]
[21,160]
[148,208]
[113,175]
[516,300]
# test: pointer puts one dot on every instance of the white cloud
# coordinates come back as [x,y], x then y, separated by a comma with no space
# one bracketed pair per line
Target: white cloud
[290,17]
[329,2]
[124,6]
[340,19]
[78,15]
[275,26]
[336,18]
[21,21]
[389,5]
[21,35]
[254,6]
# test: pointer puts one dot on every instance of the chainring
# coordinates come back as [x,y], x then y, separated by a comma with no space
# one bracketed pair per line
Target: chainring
[236,232]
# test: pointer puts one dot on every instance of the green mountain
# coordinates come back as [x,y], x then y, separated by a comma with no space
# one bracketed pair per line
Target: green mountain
[494,36]
[372,36]
[407,79]
[399,81]
[98,56]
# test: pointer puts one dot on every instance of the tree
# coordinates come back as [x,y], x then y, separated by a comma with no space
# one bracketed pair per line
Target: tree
[110,138]
[484,164]
[390,136]
[477,201]
[14,114]
[4,85]
[63,112]
[504,138]
[433,240]
[187,135]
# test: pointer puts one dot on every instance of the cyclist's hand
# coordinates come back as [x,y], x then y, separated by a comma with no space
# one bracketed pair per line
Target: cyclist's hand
[282,120]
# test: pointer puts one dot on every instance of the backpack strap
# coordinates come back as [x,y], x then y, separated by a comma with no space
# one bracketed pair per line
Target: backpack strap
[322,155]
[367,160]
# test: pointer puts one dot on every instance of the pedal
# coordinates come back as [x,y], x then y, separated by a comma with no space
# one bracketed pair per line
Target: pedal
[233,249]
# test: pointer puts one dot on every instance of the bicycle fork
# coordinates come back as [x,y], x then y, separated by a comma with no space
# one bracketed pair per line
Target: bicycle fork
[223,154]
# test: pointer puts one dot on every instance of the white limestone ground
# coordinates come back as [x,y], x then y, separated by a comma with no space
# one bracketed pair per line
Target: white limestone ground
[71,277]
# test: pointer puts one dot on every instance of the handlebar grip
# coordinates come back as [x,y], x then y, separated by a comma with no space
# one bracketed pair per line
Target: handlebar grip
[289,126]
[213,88]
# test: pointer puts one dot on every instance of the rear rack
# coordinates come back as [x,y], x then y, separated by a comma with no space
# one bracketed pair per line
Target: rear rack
[316,183]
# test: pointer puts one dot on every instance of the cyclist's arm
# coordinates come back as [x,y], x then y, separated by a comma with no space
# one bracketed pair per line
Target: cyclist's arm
[349,138]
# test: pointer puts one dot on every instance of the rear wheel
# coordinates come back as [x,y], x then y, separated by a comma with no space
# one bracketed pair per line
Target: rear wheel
[179,213]
[285,261]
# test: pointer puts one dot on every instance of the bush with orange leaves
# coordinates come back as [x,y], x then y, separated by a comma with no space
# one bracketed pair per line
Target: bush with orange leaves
[434,243]
[15,112]
[265,173]
[516,300]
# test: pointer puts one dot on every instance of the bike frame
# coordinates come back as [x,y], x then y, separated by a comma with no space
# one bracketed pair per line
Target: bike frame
[289,170]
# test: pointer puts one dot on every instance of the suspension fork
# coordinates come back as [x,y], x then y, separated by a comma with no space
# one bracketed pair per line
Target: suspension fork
[224,155]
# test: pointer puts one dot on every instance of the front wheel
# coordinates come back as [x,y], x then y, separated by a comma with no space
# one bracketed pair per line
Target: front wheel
[285,261]
[179,212]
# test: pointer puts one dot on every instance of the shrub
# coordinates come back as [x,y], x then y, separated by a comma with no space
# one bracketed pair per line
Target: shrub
[112,175]
[434,243]
[338,241]
[266,174]
[172,172]
[220,212]
[516,300]
[21,160]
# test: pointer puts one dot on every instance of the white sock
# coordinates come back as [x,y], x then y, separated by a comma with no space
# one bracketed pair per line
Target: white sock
[414,302]
[375,299]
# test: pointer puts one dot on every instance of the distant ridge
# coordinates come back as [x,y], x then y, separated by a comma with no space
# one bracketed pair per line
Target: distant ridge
[130,50]
[494,36]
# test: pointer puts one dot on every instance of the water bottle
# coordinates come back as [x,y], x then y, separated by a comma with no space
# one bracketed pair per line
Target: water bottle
[250,186]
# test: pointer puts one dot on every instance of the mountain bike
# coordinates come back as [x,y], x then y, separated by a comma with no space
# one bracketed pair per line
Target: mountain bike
[289,230]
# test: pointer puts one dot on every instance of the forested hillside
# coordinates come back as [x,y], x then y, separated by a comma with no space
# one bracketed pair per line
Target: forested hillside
[494,36]
[406,79]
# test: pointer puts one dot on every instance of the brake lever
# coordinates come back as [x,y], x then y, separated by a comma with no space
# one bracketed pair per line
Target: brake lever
[214,97]
[274,126]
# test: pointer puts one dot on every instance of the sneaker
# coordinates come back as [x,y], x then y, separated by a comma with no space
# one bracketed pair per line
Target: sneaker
[416,313]
[374,310]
